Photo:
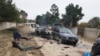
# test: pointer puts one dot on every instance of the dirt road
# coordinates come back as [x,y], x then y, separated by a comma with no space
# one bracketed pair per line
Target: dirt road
[50,47]
[54,49]
[6,48]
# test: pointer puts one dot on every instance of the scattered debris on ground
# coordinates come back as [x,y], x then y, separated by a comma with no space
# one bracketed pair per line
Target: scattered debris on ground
[45,47]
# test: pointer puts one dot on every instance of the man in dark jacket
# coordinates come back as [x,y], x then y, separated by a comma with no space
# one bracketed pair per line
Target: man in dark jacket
[16,35]
[96,47]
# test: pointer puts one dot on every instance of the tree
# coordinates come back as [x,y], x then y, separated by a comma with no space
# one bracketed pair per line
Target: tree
[8,11]
[94,22]
[73,15]
[55,14]
[54,9]
[20,20]
[31,21]
[48,18]
[24,15]
[38,19]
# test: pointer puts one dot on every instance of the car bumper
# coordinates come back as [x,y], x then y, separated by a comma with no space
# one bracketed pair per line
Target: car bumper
[68,41]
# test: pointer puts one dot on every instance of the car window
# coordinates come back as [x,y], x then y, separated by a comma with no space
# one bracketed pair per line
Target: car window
[65,30]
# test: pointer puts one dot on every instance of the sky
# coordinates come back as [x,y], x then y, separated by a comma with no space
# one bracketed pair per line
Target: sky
[91,8]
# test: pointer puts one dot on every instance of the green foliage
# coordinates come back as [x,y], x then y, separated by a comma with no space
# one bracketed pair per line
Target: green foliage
[73,15]
[54,17]
[31,21]
[50,18]
[24,15]
[54,9]
[38,19]
[20,20]
[53,20]
[8,11]
[94,22]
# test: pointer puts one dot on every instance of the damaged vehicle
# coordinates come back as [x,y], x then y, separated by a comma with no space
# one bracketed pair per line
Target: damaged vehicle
[43,31]
[64,35]
[39,30]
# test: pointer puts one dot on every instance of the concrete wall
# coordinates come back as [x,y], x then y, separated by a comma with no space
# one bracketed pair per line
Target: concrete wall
[6,25]
[74,30]
[91,33]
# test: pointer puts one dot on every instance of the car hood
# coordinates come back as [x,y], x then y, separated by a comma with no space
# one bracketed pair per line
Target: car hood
[68,35]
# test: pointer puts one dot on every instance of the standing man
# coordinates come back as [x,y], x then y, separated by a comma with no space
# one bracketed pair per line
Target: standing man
[16,35]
